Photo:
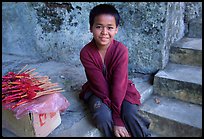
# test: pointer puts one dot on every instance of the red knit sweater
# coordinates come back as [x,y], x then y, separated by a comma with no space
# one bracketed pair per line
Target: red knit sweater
[113,87]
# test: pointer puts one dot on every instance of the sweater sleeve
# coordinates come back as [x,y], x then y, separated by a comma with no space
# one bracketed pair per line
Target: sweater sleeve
[119,85]
[95,77]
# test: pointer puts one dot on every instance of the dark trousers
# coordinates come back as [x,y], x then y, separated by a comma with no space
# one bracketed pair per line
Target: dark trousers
[102,117]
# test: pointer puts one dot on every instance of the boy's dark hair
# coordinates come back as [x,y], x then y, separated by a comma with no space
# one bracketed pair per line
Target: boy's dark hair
[103,9]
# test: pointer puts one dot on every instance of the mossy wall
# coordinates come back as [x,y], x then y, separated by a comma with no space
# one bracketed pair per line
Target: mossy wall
[58,30]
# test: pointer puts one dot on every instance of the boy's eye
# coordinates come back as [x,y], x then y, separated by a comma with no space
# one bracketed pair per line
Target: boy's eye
[98,27]
[110,28]
[102,27]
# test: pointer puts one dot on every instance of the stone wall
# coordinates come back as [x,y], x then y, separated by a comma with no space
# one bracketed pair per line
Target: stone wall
[58,30]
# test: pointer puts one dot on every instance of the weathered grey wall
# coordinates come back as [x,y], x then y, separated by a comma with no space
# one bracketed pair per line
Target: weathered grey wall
[18,29]
[192,10]
[58,31]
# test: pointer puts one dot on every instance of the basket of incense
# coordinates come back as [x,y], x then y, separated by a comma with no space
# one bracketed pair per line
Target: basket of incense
[24,86]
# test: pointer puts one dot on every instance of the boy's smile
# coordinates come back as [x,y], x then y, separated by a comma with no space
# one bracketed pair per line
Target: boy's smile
[104,30]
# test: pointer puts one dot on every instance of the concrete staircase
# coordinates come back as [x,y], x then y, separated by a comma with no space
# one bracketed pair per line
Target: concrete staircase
[175,107]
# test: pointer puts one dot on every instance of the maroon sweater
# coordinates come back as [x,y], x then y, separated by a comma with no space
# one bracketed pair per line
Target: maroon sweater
[114,86]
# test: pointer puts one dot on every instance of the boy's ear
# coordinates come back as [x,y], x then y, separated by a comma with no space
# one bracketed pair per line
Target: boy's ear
[116,30]
[90,29]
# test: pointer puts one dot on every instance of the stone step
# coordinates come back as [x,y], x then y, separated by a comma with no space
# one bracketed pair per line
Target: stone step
[179,81]
[172,117]
[143,83]
[187,51]
[195,28]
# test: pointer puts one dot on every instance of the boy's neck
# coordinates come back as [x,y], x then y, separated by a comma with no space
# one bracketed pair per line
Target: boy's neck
[102,48]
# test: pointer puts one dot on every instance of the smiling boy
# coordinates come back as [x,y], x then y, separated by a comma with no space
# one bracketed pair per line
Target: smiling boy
[112,98]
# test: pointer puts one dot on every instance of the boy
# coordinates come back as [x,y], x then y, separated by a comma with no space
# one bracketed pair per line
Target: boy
[112,98]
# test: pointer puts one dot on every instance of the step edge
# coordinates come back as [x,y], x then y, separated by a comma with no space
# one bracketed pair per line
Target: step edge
[166,117]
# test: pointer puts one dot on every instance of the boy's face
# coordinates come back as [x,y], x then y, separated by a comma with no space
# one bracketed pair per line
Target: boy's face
[104,30]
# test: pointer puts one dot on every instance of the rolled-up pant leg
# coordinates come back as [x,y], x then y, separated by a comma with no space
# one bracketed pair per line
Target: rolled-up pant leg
[135,123]
[101,115]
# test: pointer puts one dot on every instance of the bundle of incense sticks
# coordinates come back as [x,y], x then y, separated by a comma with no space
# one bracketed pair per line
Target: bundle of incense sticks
[24,86]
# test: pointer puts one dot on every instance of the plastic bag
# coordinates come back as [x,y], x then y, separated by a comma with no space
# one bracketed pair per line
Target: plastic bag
[44,104]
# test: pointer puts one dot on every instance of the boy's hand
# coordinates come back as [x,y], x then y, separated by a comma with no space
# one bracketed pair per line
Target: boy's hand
[120,131]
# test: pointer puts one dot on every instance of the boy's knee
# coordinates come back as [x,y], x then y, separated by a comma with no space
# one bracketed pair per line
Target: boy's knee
[97,105]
